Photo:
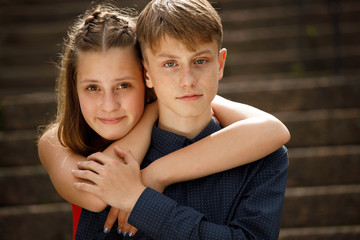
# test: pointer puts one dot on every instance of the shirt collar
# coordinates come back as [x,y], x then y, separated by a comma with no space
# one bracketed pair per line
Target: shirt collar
[168,142]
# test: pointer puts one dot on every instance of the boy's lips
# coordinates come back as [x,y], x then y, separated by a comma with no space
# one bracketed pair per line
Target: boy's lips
[190,97]
[111,120]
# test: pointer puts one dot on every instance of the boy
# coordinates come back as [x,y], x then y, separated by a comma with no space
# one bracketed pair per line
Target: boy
[183,62]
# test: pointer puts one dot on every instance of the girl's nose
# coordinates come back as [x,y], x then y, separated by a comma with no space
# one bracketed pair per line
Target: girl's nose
[110,102]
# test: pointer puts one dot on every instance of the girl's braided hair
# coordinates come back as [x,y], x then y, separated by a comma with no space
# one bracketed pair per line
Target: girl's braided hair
[98,29]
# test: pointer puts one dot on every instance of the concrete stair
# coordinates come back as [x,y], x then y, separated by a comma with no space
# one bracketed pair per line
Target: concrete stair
[290,58]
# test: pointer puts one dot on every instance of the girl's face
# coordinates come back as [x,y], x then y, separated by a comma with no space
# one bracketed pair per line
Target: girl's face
[111,90]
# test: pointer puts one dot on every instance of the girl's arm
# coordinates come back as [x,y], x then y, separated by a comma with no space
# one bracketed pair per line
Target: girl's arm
[60,161]
[249,134]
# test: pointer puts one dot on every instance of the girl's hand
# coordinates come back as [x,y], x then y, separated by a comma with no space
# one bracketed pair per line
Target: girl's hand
[117,183]
[124,227]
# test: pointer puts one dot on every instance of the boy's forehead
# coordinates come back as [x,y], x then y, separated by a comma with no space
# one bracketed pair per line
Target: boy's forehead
[168,43]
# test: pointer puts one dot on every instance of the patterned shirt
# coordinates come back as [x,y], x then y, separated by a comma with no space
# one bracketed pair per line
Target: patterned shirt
[241,203]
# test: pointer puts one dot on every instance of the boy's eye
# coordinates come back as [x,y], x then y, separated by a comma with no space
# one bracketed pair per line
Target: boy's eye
[170,64]
[124,85]
[92,88]
[200,61]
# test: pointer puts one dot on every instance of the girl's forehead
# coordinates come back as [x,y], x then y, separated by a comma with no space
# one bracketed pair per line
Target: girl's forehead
[110,64]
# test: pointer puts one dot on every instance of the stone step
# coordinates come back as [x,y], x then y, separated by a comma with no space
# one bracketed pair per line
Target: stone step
[322,127]
[41,222]
[309,167]
[26,185]
[27,111]
[321,233]
[236,4]
[289,94]
[313,166]
[18,148]
[297,62]
[321,206]
[305,14]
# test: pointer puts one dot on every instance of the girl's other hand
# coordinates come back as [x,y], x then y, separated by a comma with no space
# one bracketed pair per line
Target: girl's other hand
[124,228]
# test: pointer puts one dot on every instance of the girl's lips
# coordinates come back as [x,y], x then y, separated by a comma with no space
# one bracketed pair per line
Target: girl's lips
[190,97]
[111,120]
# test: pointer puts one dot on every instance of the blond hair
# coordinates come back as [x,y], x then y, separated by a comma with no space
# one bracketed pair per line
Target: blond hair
[189,21]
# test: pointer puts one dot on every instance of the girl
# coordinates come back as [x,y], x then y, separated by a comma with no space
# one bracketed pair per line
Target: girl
[102,97]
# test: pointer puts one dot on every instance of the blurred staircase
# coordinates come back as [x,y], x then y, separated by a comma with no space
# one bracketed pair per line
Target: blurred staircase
[295,59]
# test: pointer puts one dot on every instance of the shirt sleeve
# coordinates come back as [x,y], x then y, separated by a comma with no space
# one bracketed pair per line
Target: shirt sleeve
[257,211]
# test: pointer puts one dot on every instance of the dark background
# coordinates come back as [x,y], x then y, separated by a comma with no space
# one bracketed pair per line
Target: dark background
[297,59]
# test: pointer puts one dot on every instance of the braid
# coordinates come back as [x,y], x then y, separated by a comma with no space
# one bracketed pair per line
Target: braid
[106,27]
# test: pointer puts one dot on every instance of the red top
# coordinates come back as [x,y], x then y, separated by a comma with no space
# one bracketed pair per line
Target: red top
[76,216]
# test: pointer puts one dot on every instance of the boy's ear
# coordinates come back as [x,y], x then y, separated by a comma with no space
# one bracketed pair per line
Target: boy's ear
[148,82]
[222,59]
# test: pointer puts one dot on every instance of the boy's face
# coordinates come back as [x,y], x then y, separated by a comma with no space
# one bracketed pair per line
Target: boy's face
[184,81]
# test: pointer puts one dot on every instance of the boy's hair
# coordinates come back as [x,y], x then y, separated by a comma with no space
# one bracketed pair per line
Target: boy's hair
[98,29]
[189,21]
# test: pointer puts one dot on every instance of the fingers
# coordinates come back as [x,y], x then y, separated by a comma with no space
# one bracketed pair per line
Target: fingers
[87,175]
[110,220]
[98,157]
[122,223]
[124,227]
[90,165]
[86,187]
[132,231]
[124,154]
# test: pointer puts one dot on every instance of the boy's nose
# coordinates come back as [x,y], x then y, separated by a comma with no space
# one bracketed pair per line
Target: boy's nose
[188,78]
[110,102]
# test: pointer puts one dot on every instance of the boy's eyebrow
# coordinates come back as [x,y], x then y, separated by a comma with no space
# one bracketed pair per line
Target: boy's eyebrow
[166,55]
[206,51]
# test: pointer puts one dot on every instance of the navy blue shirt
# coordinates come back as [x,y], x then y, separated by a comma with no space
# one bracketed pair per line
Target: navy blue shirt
[241,203]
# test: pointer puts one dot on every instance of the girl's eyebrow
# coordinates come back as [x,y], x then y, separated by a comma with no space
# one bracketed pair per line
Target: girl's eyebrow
[127,78]
[89,81]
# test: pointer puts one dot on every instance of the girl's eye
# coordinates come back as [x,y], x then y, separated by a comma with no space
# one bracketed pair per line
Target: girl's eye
[92,88]
[124,85]
[200,61]
[170,64]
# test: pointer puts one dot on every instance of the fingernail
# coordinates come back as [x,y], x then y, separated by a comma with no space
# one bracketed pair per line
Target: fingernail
[106,230]
[119,231]
[130,234]
[124,234]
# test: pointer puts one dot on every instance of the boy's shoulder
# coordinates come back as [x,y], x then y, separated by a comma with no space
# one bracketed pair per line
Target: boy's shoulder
[278,158]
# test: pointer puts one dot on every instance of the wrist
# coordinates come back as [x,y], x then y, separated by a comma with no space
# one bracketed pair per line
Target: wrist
[154,178]
[135,198]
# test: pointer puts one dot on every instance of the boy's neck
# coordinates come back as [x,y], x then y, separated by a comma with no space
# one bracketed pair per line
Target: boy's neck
[188,127]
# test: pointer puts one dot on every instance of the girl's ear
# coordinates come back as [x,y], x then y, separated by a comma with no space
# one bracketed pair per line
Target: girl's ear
[222,59]
[148,81]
